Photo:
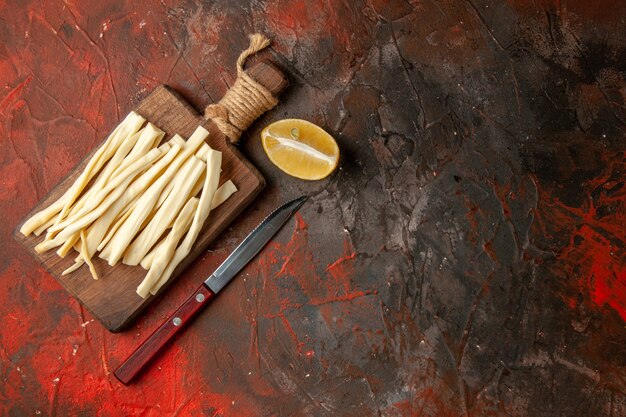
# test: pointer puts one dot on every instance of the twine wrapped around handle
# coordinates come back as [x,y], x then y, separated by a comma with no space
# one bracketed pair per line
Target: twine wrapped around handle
[245,100]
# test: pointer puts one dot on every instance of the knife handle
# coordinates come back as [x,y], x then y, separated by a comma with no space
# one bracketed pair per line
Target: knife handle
[148,349]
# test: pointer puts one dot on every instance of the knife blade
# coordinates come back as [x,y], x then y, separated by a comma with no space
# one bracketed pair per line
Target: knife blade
[224,273]
[252,244]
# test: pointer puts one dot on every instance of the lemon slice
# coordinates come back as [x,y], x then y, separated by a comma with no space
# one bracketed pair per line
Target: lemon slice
[300,148]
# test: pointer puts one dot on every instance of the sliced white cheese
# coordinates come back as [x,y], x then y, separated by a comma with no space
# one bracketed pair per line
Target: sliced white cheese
[114,186]
[150,137]
[68,245]
[127,231]
[201,154]
[183,184]
[214,162]
[104,253]
[82,222]
[85,255]
[221,195]
[131,124]
[146,262]
[166,250]
[92,168]
[99,228]
[44,226]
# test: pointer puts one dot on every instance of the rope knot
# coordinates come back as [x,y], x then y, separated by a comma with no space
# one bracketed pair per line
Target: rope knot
[245,100]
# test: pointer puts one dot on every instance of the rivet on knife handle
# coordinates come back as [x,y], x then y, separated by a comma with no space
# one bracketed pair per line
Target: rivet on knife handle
[142,356]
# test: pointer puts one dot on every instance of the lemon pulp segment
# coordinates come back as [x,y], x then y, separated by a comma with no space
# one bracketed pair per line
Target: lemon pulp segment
[300,148]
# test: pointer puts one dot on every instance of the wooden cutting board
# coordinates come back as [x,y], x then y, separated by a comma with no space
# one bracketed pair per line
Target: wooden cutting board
[112,299]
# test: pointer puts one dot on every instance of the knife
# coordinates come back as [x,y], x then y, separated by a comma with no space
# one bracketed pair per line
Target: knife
[242,254]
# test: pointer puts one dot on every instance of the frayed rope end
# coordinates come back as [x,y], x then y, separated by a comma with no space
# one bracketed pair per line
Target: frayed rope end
[258,42]
[245,100]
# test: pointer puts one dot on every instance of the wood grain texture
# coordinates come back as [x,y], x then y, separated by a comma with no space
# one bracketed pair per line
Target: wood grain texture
[112,299]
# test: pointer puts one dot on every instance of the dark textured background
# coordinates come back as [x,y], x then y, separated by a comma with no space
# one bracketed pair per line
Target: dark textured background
[466,260]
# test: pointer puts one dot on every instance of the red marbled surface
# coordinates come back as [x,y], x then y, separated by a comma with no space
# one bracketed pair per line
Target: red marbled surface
[467,258]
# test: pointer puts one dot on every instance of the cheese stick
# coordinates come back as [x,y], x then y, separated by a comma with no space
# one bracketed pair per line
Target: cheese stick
[214,162]
[85,255]
[44,226]
[146,262]
[114,250]
[183,185]
[128,127]
[116,225]
[131,171]
[150,136]
[68,245]
[222,194]
[201,154]
[141,142]
[166,250]
[84,221]
[94,165]
[131,148]
[100,227]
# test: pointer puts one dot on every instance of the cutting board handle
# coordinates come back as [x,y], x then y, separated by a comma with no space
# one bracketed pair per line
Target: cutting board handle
[242,103]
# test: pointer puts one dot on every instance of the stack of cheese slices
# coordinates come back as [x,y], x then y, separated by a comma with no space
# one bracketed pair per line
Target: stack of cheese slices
[137,202]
